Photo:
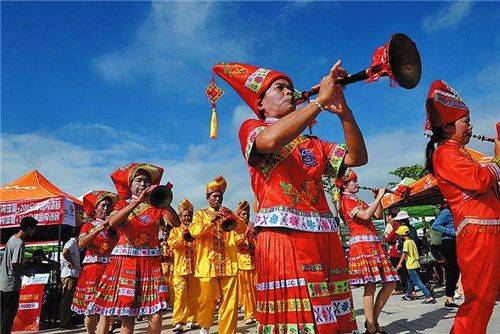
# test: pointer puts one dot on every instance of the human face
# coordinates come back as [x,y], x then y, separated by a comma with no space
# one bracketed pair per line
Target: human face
[245,215]
[186,217]
[462,130]
[141,182]
[353,186]
[278,99]
[215,200]
[103,208]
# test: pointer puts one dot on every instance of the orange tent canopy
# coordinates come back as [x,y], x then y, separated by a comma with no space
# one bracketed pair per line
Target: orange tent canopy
[32,185]
[426,190]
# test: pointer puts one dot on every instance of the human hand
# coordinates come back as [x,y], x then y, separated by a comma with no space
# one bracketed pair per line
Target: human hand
[381,192]
[331,94]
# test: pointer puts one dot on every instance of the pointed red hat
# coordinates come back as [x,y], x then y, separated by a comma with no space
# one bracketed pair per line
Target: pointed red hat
[92,199]
[249,81]
[123,176]
[443,105]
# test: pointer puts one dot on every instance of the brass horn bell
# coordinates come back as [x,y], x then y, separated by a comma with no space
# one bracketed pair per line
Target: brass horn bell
[161,196]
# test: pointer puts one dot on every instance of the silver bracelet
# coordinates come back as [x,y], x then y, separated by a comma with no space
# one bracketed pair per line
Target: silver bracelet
[318,104]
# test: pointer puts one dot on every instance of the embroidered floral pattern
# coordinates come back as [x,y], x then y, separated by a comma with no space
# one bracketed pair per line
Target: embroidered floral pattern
[230,69]
[256,79]
[287,305]
[131,251]
[363,238]
[281,284]
[308,192]
[335,160]
[281,216]
[96,258]
[476,221]
[251,140]
[219,259]
[277,157]
[312,267]
[305,328]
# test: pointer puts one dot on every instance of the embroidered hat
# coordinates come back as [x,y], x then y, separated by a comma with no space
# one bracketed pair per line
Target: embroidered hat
[184,205]
[123,177]
[443,105]
[348,176]
[249,81]
[243,205]
[92,199]
[218,184]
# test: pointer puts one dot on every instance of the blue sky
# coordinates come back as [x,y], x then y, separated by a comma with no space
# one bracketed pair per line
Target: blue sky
[88,86]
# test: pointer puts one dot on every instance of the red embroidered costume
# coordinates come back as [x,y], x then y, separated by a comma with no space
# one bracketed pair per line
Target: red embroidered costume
[302,275]
[133,283]
[473,195]
[368,262]
[98,253]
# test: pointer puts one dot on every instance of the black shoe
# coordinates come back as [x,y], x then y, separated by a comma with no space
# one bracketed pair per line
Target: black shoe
[451,306]
[432,301]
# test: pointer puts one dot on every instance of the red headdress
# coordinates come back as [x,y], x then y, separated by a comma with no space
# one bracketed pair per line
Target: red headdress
[92,199]
[443,105]
[348,176]
[123,177]
[249,81]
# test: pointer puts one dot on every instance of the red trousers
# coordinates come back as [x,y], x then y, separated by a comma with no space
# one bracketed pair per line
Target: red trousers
[478,251]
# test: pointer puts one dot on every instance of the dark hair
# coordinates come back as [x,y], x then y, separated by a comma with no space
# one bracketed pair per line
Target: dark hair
[437,135]
[28,222]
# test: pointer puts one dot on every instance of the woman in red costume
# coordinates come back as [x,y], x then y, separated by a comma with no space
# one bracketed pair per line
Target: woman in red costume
[99,242]
[302,274]
[473,195]
[368,263]
[133,284]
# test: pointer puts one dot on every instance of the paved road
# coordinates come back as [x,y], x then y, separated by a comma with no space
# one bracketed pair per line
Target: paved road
[398,317]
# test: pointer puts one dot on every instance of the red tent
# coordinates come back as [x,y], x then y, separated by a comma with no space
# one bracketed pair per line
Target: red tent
[34,195]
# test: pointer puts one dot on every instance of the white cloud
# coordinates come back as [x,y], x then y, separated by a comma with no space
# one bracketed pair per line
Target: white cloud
[447,17]
[240,114]
[175,40]
[79,168]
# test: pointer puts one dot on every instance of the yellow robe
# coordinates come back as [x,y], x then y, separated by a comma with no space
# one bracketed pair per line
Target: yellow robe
[166,266]
[217,269]
[186,287]
[247,280]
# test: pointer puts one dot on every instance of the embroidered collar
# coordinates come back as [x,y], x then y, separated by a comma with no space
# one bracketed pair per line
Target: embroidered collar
[353,196]
[452,143]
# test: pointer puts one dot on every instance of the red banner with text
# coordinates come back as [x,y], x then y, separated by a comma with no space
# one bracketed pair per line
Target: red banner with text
[30,303]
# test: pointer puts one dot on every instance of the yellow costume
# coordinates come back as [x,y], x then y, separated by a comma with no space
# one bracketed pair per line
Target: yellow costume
[216,266]
[166,267]
[247,280]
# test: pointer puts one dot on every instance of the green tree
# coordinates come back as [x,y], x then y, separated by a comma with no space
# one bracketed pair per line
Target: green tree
[414,171]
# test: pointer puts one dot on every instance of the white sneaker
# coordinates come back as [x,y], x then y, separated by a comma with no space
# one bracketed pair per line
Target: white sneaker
[204,331]
[177,328]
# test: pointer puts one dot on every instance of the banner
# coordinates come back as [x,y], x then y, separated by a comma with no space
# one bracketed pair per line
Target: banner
[48,211]
[30,303]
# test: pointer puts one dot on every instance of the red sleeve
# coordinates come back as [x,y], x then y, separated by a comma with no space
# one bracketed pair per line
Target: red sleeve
[119,205]
[335,154]
[458,168]
[86,228]
[350,207]
[248,132]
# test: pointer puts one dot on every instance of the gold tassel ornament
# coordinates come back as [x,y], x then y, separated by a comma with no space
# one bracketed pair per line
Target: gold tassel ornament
[214,93]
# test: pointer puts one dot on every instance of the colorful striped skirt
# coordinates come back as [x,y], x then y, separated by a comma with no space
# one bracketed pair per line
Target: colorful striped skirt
[302,283]
[131,286]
